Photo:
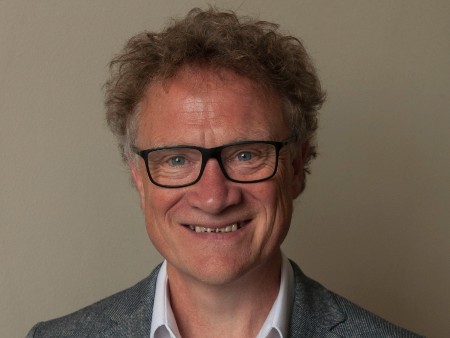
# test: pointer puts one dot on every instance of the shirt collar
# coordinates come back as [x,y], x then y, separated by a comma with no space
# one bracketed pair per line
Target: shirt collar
[277,322]
[163,321]
[275,326]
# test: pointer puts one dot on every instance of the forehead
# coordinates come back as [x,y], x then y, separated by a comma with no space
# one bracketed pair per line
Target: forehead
[209,106]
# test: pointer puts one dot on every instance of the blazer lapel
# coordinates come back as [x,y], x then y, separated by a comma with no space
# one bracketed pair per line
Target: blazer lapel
[134,318]
[315,313]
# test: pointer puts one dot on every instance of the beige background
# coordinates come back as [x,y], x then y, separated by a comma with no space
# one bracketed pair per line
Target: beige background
[372,225]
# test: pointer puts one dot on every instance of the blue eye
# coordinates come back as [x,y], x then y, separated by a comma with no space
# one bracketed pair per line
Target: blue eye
[245,156]
[177,161]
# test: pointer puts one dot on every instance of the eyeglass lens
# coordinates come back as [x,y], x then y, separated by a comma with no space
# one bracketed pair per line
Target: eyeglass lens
[241,162]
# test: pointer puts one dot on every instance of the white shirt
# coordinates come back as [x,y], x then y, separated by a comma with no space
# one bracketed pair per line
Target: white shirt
[275,325]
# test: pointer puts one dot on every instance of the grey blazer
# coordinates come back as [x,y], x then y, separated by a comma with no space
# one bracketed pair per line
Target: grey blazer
[317,312]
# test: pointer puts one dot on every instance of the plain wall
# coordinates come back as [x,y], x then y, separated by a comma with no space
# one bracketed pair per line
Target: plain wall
[372,225]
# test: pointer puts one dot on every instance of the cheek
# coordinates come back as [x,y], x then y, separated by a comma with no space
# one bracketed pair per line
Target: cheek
[156,209]
[162,205]
[275,199]
[158,200]
[157,220]
[284,201]
[276,209]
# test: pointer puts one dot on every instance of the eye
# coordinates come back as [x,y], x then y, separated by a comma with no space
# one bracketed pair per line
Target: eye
[244,156]
[177,161]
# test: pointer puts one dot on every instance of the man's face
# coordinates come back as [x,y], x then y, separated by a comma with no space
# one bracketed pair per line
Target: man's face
[203,108]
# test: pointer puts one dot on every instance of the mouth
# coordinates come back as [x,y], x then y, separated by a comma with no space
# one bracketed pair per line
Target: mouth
[229,228]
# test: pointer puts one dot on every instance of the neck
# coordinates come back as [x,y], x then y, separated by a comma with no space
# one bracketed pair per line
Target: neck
[205,310]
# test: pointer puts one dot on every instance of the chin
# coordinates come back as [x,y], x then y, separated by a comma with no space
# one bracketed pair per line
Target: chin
[217,271]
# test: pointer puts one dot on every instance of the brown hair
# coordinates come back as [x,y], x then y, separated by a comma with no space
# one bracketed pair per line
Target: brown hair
[250,48]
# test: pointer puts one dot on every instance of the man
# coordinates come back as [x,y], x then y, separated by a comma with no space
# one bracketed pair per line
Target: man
[216,118]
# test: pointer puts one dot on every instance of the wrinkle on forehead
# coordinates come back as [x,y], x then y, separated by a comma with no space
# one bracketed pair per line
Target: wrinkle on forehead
[202,81]
[200,107]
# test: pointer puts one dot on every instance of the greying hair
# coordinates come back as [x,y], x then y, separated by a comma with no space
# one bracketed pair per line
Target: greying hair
[211,38]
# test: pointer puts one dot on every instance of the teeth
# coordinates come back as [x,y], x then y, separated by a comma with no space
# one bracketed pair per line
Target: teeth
[228,228]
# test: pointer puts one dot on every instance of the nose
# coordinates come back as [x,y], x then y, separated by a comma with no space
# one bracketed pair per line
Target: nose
[213,193]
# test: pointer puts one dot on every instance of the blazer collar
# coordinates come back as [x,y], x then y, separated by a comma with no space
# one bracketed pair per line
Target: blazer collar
[315,312]
[133,319]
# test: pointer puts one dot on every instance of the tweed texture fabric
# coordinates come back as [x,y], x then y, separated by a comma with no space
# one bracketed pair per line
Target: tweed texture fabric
[316,312]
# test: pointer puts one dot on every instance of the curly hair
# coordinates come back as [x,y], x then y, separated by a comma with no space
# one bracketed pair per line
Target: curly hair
[251,48]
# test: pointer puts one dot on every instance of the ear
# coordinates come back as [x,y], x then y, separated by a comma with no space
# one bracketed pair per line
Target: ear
[138,181]
[298,169]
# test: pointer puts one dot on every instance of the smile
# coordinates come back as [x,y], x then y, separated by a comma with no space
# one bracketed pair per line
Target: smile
[228,228]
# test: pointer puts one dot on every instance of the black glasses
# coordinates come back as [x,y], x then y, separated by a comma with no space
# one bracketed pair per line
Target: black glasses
[242,162]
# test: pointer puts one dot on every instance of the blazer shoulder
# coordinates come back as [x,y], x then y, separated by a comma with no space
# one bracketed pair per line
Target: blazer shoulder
[363,323]
[323,313]
[110,314]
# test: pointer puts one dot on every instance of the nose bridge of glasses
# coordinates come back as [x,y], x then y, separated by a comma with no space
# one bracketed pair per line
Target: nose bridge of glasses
[212,153]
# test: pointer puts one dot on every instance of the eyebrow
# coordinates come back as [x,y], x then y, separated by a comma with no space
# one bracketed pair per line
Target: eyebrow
[256,136]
